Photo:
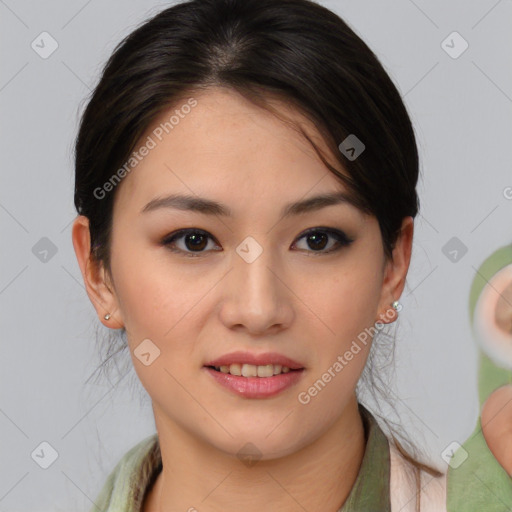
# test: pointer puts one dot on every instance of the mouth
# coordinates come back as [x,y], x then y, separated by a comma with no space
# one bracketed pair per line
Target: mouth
[252,375]
[251,370]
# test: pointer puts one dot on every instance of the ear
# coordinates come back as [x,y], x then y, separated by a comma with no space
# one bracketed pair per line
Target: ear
[395,272]
[94,275]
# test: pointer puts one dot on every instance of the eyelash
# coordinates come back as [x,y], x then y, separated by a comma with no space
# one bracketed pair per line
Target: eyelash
[342,239]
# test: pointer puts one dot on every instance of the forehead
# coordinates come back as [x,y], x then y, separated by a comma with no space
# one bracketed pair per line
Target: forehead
[217,143]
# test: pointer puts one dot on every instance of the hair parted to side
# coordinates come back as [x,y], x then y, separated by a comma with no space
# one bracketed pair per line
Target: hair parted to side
[295,51]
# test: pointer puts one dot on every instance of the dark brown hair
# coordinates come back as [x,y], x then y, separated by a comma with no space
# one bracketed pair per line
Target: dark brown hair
[293,50]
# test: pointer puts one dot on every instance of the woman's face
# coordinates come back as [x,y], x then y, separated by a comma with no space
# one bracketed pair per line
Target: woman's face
[250,282]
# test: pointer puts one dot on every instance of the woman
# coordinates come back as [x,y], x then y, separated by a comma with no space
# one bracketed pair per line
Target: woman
[245,183]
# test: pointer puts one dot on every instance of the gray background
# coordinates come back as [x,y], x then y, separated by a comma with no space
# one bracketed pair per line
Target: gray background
[461,111]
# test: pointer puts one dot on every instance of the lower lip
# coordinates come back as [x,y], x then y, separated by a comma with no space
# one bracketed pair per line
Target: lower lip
[256,387]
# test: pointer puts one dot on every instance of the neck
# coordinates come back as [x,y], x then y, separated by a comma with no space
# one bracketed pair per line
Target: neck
[319,476]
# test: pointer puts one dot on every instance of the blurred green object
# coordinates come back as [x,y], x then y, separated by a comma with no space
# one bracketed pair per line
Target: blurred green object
[479,483]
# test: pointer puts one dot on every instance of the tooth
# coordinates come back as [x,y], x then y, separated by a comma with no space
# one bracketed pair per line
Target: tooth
[265,371]
[235,369]
[249,370]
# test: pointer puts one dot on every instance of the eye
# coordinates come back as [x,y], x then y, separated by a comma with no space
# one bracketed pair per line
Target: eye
[196,241]
[317,239]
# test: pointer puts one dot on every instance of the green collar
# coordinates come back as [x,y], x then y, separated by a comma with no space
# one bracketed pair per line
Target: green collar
[371,488]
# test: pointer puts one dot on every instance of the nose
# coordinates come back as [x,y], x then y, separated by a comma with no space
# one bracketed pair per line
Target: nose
[256,296]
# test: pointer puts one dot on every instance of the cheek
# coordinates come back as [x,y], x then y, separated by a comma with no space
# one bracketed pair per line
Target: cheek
[159,302]
[154,294]
[342,306]
[343,303]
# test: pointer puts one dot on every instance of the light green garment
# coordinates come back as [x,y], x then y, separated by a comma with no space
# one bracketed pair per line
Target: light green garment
[370,492]
[136,472]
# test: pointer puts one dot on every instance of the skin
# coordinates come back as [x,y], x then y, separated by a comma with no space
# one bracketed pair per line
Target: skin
[497,425]
[496,417]
[291,299]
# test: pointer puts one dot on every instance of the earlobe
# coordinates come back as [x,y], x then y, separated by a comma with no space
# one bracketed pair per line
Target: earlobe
[101,296]
[391,313]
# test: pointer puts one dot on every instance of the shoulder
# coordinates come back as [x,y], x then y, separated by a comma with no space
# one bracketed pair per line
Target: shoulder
[406,479]
[126,485]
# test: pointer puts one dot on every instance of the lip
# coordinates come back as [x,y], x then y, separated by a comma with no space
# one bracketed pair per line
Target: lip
[256,387]
[263,359]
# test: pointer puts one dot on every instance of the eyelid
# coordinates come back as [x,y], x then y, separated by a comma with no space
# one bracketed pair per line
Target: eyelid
[167,240]
[339,235]
[324,229]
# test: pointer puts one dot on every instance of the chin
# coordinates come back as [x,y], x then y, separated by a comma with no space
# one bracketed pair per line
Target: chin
[266,439]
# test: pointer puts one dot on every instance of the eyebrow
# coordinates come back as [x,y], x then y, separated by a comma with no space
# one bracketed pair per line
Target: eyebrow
[210,207]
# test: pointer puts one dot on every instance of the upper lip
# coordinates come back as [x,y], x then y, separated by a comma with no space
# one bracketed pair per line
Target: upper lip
[255,359]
